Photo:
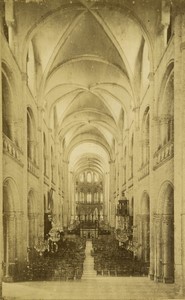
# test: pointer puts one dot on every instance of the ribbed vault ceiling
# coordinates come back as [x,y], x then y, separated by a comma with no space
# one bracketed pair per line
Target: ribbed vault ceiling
[92,70]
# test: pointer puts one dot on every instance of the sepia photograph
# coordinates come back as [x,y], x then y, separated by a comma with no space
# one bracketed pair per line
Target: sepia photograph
[92,149]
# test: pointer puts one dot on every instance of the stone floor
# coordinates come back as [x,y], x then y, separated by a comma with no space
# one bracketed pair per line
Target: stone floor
[91,287]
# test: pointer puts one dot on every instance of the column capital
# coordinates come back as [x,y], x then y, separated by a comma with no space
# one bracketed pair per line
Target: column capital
[164,118]
[19,214]
[167,218]
[10,215]
[32,216]
[157,217]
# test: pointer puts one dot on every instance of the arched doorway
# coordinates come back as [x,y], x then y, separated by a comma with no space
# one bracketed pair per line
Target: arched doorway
[10,228]
[164,235]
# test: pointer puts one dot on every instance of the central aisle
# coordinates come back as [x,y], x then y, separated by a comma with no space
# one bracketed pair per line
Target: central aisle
[89,272]
[90,287]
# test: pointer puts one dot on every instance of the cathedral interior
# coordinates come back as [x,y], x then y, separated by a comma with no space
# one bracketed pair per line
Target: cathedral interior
[92,143]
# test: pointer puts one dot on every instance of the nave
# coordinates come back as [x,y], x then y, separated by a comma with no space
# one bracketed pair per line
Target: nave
[91,286]
[92,145]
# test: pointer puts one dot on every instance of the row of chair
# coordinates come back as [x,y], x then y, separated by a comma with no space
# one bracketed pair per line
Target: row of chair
[112,260]
[65,264]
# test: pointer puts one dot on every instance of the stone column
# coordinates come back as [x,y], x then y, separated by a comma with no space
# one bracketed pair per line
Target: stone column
[168,248]
[106,198]
[127,156]
[56,178]
[72,200]
[66,200]
[19,222]
[9,18]
[10,247]
[139,235]
[120,166]
[164,122]
[40,206]
[152,248]
[32,150]
[111,193]
[158,249]
[145,237]
[153,129]
[31,231]
[24,189]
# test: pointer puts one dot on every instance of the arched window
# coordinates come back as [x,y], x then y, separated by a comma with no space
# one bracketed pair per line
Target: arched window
[82,177]
[82,197]
[89,197]
[95,177]
[101,197]
[89,177]
[95,197]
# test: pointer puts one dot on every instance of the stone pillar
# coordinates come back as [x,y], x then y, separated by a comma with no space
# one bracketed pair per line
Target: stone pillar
[158,249]
[40,206]
[72,199]
[127,156]
[10,245]
[31,231]
[120,166]
[56,180]
[66,200]
[145,237]
[9,17]
[19,222]
[24,196]
[152,248]
[106,197]
[31,145]
[153,129]
[164,123]
[139,235]
[111,193]
[168,248]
